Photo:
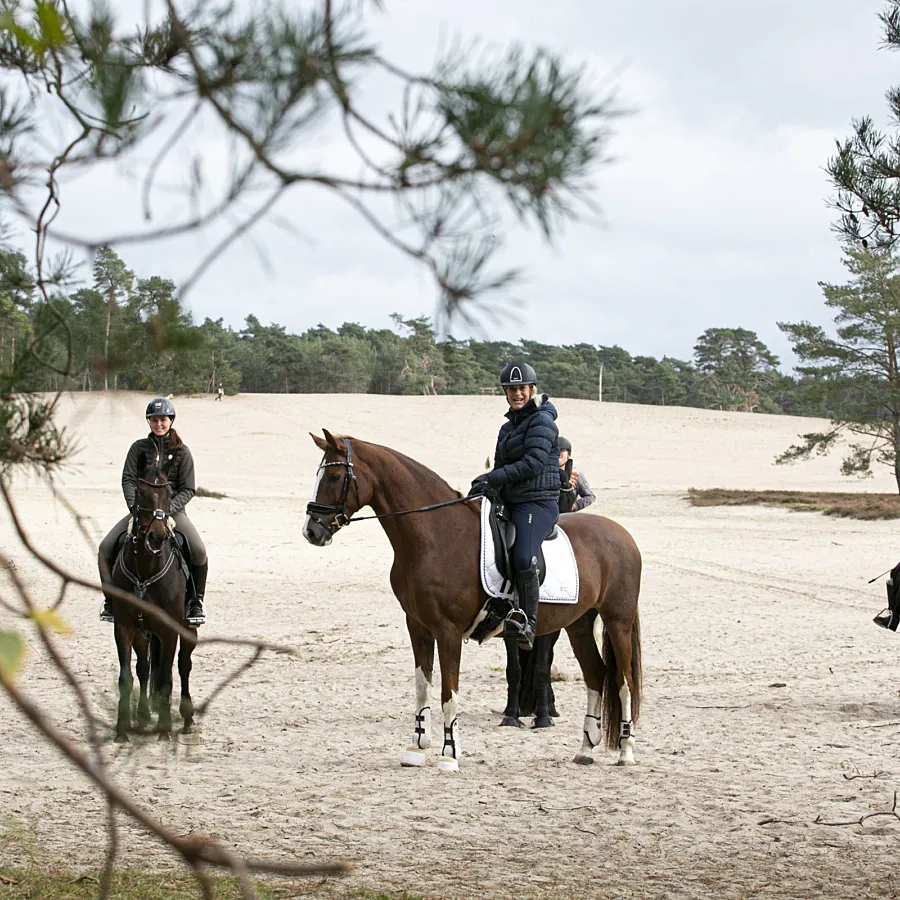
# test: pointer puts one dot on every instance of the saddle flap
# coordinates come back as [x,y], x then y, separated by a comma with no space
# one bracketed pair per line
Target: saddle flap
[503,533]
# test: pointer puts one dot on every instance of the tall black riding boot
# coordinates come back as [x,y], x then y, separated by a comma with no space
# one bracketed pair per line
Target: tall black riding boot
[196,614]
[528,588]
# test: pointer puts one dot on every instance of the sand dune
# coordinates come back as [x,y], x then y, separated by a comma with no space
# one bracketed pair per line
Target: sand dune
[301,758]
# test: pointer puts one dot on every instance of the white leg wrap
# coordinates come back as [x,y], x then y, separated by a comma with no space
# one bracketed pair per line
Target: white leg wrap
[626,728]
[450,754]
[592,732]
[421,739]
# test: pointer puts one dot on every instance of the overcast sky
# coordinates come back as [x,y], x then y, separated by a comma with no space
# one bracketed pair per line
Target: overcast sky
[714,212]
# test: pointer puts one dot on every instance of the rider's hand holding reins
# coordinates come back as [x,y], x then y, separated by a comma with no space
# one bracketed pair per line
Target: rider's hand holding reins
[481,487]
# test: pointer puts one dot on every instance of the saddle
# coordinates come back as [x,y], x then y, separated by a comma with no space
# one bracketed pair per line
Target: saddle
[503,532]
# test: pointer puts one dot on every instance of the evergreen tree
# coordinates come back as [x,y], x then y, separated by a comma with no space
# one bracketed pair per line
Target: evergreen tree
[855,375]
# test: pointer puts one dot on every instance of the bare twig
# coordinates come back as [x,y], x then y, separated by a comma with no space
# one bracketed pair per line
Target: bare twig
[891,813]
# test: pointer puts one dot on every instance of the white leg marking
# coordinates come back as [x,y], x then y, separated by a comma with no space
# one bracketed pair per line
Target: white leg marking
[626,728]
[592,733]
[449,761]
[421,739]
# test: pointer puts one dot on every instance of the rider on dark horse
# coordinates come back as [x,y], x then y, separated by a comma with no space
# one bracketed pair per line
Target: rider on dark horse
[526,478]
[162,444]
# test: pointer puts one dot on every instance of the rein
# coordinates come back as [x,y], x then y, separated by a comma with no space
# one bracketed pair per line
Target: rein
[341,518]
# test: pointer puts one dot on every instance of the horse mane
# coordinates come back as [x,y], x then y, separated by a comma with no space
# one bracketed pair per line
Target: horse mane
[420,470]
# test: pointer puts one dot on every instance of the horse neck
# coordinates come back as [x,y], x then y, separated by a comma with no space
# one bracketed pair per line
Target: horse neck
[397,486]
[142,562]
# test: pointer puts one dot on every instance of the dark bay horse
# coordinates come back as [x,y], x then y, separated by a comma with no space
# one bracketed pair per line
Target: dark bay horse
[149,567]
[435,578]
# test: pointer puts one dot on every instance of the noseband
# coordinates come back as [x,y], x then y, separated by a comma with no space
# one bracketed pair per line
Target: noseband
[340,508]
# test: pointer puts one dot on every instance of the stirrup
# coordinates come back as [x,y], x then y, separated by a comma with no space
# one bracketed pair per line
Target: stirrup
[515,623]
[883,620]
[106,613]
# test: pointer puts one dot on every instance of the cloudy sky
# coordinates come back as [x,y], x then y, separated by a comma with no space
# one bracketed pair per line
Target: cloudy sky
[714,210]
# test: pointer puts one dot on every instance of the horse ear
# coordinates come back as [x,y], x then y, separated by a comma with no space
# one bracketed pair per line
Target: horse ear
[333,442]
[141,461]
[165,468]
[321,443]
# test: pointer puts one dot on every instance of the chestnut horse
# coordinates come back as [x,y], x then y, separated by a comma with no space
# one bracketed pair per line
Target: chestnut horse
[435,534]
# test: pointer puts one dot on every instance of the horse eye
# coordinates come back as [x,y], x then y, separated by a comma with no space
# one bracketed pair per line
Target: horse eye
[334,479]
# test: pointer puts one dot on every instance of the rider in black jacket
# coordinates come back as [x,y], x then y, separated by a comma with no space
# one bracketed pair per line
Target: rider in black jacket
[526,477]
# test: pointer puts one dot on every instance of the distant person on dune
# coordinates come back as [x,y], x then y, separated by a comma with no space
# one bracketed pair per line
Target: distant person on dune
[220,392]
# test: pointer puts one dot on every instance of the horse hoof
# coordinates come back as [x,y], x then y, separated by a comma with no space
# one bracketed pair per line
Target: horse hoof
[188,728]
[582,760]
[164,736]
[122,739]
[543,722]
[412,759]
[448,764]
[511,722]
[626,761]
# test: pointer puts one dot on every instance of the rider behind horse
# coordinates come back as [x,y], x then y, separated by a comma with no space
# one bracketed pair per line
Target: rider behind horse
[575,492]
[165,448]
[526,478]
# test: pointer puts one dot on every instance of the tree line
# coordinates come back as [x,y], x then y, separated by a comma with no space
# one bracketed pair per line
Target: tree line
[130,333]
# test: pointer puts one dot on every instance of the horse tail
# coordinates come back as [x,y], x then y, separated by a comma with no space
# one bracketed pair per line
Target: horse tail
[612,703]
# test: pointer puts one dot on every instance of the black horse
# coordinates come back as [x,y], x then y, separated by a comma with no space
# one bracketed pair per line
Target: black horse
[150,566]
[528,688]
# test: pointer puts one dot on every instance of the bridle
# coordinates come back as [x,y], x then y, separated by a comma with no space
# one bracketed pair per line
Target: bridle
[340,509]
[141,585]
[160,515]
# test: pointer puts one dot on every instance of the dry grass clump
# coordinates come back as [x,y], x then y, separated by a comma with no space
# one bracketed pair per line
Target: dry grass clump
[850,506]
[215,495]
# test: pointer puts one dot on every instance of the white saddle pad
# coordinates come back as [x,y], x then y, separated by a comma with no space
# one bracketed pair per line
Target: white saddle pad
[561,581]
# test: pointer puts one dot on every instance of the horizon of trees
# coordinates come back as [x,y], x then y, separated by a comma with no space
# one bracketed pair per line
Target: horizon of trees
[132,333]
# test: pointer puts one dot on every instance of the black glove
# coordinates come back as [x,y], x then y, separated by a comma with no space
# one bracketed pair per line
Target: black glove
[480,487]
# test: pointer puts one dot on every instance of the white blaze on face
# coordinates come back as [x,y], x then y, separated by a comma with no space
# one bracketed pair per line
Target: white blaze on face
[315,494]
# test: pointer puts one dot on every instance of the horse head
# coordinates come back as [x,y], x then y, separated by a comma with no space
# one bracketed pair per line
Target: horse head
[154,493]
[338,492]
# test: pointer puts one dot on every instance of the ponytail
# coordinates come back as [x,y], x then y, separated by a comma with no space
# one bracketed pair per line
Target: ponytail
[173,440]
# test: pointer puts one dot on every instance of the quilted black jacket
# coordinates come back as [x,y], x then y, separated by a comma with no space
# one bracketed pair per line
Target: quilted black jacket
[526,461]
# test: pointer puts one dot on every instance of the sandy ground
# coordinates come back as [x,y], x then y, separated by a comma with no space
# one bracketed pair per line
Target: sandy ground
[767,686]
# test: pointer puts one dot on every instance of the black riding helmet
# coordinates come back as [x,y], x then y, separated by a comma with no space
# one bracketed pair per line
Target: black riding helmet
[161,406]
[565,444]
[516,373]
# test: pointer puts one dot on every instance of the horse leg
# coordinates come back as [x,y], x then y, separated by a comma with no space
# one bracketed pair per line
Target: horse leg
[142,664]
[449,653]
[550,692]
[423,652]
[620,689]
[126,682]
[542,652]
[513,684]
[186,707]
[153,653]
[167,644]
[584,646]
